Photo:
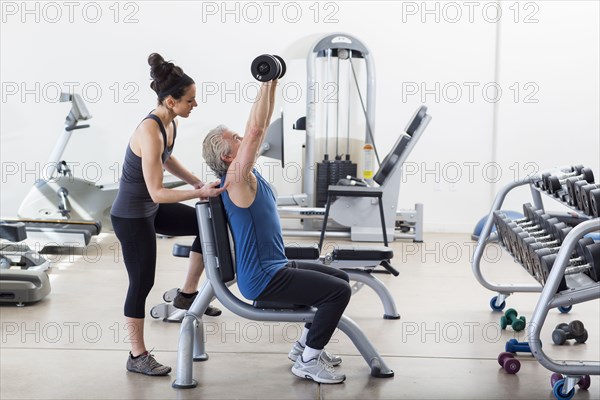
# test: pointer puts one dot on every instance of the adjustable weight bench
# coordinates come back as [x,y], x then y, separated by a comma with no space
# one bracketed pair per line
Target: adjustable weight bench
[220,271]
[357,262]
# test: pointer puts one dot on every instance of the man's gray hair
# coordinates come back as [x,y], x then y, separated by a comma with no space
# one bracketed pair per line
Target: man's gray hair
[213,148]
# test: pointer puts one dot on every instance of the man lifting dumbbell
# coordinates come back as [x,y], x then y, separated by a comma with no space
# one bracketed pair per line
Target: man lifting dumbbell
[263,271]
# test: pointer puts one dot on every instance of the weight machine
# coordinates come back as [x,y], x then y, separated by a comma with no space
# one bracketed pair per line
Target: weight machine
[357,218]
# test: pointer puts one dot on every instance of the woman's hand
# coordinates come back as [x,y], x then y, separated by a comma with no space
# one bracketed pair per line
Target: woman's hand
[211,189]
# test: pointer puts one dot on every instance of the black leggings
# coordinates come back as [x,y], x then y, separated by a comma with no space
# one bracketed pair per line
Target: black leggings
[138,243]
[312,284]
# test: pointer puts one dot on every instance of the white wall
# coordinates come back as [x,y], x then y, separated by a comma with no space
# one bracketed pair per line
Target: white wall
[416,46]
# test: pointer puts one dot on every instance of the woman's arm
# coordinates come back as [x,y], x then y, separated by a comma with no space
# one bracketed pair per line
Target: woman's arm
[176,168]
[151,147]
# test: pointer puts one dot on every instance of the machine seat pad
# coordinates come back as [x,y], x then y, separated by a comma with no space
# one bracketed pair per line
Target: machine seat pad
[347,253]
[302,253]
[277,306]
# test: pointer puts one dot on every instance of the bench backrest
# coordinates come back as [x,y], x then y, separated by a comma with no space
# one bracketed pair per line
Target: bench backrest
[220,228]
[395,156]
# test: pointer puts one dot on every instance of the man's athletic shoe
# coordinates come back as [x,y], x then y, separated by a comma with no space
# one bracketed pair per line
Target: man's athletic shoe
[184,303]
[146,364]
[298,349]
[317,370]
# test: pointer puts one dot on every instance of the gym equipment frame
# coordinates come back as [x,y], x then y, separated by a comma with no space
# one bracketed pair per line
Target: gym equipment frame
[220,271]
[362,221]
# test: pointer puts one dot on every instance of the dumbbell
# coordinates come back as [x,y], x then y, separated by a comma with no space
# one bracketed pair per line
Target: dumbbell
[514,346]
[509,363]
[574,186]
[267,67]
[584,382]
[533,227]
[542,183]
[585,195]
[555,183]
[538,250]
[510,318]
[557,232]
[572,330]
[595,203]
[588,262]
[517,235]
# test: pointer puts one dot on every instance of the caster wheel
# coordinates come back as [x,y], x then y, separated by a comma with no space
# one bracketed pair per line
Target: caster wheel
[493,304]
[169,295]
[585,382]
[558,391]
[555,378]
[158,311]
[565,310]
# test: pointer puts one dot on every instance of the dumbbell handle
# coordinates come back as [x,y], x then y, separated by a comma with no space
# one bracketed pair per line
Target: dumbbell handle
[577,269]
[555,183]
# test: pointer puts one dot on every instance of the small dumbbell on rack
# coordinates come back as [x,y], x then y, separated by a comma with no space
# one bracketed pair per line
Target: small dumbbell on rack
[510,319]
[584,193]
[554,183]
[588,261]
[560,171]
[537,252]
[543,234]
[574,186]
[510,230]
[533,250]
[572,330]
[267,67]
[595,203]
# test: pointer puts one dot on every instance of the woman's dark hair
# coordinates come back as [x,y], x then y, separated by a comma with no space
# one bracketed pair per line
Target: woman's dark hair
[167,78]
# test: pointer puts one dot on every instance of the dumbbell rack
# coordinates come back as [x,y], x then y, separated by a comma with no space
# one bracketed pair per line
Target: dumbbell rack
[581,287]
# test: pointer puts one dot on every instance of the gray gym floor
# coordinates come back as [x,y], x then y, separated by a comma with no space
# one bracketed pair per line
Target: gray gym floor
[73,345]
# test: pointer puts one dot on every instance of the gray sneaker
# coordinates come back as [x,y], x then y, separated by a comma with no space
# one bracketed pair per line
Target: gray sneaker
[184,303]
[147,365]
[317,370]
[298,349]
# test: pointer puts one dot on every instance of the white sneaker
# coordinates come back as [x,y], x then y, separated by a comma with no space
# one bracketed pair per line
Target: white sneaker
[298,349]
[317,370]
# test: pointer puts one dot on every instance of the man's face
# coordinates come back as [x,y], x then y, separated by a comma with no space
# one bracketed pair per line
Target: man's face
[234,141]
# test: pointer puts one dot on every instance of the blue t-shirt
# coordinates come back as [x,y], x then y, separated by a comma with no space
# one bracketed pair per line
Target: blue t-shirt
[256,230]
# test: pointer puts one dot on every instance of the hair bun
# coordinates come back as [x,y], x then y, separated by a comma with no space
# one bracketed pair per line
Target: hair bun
[159,68]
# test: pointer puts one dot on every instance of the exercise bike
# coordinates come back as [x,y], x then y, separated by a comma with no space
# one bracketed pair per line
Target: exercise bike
[63,210]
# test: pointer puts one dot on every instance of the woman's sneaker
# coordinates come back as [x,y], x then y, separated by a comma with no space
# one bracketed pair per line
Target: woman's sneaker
[146,364]
[317,370]
[184,302]
[298,349]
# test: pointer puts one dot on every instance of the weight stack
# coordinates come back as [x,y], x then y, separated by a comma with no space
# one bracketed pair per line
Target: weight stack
[329,173]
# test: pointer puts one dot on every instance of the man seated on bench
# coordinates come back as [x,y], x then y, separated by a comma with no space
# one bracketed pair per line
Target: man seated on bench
[263,271]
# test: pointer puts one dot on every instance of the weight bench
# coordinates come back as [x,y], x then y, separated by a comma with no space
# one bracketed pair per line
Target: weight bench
[28,283]
[220,271]
[357,262]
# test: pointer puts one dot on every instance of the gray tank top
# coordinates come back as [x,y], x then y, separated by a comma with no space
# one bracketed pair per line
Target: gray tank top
[133,199]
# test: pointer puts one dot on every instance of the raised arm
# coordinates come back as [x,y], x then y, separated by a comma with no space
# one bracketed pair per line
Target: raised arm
[256,128]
